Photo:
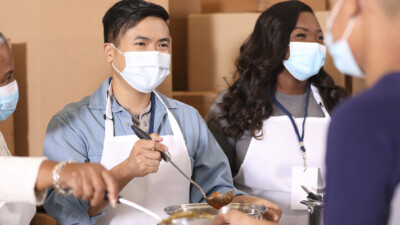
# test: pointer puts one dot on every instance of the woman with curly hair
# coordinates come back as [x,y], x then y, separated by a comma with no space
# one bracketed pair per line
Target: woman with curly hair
[275,116]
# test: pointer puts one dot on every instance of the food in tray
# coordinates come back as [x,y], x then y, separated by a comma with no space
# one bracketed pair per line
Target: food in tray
[186,214]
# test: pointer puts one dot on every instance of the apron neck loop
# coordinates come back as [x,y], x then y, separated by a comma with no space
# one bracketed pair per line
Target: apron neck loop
[281,107]
[108,113]
[152,112]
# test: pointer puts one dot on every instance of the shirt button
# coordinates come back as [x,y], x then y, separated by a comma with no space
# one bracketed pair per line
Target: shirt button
[145,124]
[127,124]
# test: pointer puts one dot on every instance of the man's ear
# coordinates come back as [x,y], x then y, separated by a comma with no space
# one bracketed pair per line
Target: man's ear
[108,52]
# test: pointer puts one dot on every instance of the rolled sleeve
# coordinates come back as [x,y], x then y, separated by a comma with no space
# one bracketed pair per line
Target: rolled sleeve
[18,179]
[62,142]
[69,210]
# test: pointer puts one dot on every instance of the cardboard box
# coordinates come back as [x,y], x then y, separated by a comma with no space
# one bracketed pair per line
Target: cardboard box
[214,41]
[213,46]
[201,100]
[179,11]
[316,5]
[216,6]
[358,85]
[232,6]
[43,219]
[58,51]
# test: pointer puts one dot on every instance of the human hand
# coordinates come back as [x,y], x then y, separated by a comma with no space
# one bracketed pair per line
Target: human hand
[235,217]
[144,157]
[273,213]
[89,182]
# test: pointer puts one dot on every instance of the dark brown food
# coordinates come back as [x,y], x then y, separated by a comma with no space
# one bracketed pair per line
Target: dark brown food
[215,194]
[217,200]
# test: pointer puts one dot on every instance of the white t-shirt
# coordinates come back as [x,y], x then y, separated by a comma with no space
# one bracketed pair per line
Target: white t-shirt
[17,187]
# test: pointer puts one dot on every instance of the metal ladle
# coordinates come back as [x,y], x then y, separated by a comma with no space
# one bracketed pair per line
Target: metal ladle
[216,202]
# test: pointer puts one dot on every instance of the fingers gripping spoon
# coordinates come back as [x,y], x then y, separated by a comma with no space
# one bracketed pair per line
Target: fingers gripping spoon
[216,202]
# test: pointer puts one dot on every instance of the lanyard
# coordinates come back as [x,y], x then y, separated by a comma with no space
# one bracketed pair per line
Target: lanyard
[152,110]
[300,137]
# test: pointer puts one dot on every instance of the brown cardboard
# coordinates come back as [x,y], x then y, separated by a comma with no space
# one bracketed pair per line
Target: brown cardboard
[358,85]
[213,46]
[234,6]
[201,100]
[43,219]
[316,5]
[179,12]
[58,50]
[217,6]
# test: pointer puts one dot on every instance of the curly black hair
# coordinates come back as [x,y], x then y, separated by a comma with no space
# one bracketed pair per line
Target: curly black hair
[248,101]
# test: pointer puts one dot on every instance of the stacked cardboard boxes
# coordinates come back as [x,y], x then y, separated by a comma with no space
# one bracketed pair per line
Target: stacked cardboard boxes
[215,6]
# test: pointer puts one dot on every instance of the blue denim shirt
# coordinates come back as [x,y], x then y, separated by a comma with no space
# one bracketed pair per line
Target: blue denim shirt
[77,132]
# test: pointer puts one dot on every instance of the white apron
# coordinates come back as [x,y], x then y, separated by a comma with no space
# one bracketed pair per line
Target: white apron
[266,171]
[154,191]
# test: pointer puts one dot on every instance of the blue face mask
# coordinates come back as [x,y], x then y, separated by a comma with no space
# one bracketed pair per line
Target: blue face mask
[8,99]
[340,50]
[305,60]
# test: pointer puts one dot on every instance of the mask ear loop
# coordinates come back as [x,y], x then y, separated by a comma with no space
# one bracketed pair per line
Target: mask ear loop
[333,16]
[112,64]
[349,28]
[351,24]
[112,44]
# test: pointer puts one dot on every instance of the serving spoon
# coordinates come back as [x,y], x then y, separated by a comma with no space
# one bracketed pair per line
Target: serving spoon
[217,201]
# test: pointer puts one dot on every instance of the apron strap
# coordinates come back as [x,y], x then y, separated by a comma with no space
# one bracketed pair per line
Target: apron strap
[318,98]
[108,117]
[176,130]
[109,120]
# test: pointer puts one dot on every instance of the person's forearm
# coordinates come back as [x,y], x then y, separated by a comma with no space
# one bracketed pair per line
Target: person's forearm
[123,177]
[44,178]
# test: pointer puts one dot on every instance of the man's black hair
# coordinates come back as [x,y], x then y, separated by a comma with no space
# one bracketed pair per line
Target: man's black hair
[126,14]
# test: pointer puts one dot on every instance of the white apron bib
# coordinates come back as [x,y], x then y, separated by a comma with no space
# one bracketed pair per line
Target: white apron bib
[154,191]
[266,171]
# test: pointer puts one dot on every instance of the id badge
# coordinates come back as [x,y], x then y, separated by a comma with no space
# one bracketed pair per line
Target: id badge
[309,179]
